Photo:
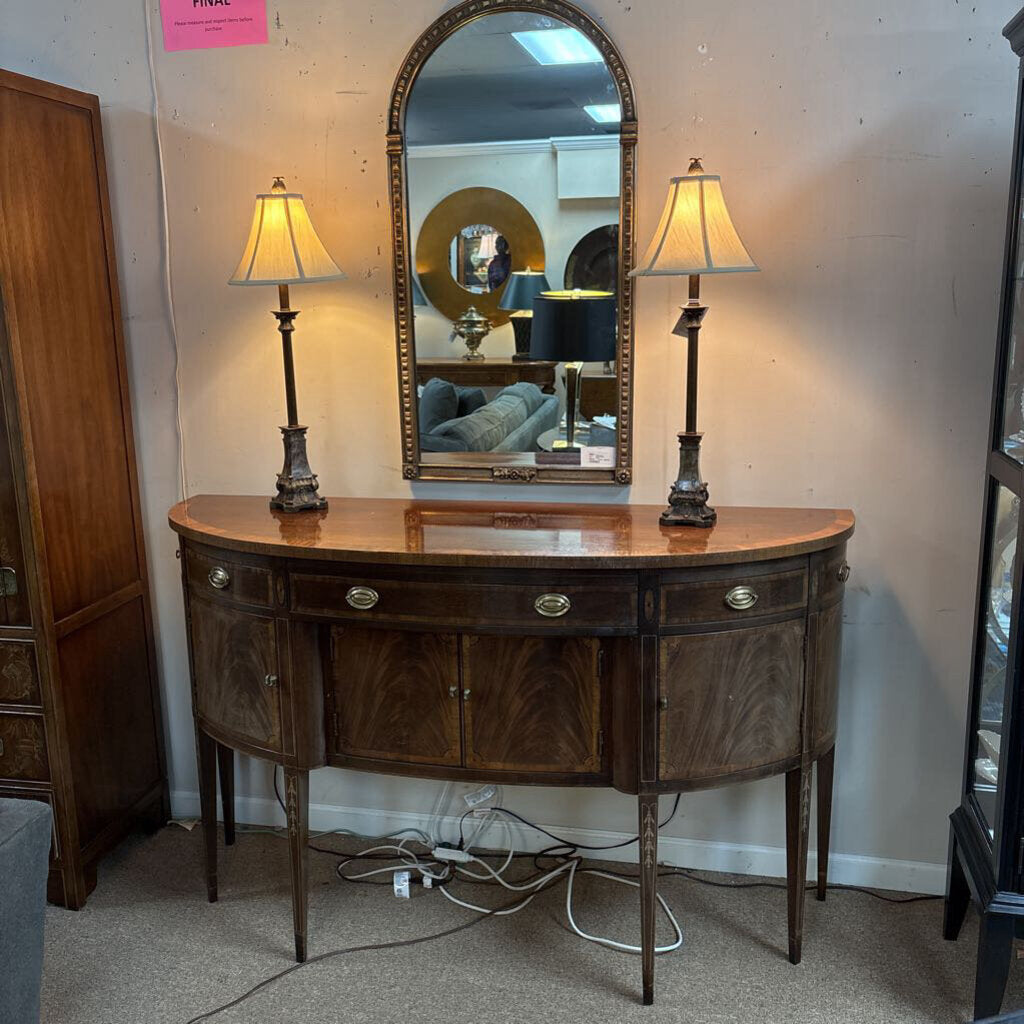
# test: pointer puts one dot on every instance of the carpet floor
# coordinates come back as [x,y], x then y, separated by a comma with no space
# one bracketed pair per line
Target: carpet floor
[148,948]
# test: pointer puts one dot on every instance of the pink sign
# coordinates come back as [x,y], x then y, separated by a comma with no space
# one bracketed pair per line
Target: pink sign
[201,24]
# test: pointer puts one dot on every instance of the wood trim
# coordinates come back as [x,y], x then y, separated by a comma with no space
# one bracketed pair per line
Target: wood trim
[98,609]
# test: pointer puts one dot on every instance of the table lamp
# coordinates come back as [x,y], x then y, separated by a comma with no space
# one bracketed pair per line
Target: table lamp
[283,249]
[695,236]
[522,288]
[573,327]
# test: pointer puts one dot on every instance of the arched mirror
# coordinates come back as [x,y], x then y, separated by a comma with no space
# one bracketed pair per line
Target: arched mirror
[511,146]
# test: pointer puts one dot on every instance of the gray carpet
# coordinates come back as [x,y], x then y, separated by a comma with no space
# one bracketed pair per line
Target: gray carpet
[149,948]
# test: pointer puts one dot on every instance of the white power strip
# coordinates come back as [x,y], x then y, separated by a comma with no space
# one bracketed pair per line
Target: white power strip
[449,854]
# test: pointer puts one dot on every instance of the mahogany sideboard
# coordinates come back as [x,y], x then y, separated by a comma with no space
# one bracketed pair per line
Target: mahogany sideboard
[563,645]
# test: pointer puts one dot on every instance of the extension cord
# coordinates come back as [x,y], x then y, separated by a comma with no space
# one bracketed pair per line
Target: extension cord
[449,853]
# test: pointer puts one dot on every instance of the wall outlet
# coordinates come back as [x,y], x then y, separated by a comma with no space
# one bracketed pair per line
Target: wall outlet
[479,796]
[401,883]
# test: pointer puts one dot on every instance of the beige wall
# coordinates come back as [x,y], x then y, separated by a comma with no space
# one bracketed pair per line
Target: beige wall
[864,149]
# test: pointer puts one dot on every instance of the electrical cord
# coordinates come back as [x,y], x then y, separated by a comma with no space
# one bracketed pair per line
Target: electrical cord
[396,944]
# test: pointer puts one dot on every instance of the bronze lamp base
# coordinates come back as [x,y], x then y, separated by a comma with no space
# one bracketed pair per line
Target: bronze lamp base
[296,483]
[688,499]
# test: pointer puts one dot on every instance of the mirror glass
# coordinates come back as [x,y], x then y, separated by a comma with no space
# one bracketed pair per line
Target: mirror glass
[512,165]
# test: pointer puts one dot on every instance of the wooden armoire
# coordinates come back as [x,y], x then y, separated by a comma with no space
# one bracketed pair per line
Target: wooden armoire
[80,723]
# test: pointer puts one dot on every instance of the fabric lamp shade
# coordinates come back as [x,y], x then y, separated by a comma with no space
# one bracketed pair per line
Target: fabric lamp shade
[522,288]
[283,247]
[696,233]
[573,326]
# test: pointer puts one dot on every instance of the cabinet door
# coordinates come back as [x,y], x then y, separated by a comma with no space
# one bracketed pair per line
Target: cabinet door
[731,701]
[395,695]
[997,597]
[532,703]
[235,672]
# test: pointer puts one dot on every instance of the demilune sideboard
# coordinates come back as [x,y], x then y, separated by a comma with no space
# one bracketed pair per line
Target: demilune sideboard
[561,645]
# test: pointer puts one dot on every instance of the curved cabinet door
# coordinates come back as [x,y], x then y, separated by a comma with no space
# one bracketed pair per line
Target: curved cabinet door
[730,701]
[395,695]
[235,673]
[532,704]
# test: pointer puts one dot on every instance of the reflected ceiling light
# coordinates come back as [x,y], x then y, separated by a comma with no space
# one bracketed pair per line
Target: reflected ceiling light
[604,113]
[558,46]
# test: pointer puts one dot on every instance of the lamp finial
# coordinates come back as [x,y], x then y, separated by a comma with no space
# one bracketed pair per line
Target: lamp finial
[279,185]
[695,166]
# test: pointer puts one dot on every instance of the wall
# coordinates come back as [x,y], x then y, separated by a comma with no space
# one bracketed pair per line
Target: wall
[864,150]
[532,179]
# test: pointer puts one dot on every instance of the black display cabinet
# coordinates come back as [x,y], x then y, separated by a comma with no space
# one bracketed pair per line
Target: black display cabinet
[986,847]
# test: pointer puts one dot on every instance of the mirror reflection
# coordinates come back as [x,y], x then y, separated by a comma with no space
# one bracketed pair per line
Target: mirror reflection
[512,163]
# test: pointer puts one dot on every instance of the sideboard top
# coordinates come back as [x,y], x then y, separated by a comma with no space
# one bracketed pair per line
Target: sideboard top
[504,534]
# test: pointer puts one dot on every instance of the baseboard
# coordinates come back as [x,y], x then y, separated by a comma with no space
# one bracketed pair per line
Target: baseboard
[698,854]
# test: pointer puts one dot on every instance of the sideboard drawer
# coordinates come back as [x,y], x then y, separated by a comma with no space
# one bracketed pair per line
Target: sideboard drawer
[23,748]
[19,674]
[728,600]
[606,604]
[213,576]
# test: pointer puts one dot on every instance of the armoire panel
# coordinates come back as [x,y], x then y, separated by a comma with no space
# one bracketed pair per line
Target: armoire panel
[60,321]
[104,668]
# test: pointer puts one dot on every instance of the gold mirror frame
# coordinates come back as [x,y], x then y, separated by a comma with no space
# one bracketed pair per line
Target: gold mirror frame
[511,467]
[479,205]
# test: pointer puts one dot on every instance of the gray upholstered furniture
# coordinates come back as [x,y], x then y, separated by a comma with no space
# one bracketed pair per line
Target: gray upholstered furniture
[25,830]
[511,422]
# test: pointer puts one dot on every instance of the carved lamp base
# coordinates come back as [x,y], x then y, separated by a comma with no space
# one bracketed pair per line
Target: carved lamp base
[522,329]
[688,499]
[296,483]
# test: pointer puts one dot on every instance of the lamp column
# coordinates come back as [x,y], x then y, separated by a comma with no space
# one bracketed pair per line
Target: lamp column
[296,483]
[688,499]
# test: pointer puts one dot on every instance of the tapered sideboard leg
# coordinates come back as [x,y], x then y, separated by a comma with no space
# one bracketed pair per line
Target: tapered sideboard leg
[207,751]
[958,894]
[798,814]
[826,771]
[648,889]
[296,800]
[226,765]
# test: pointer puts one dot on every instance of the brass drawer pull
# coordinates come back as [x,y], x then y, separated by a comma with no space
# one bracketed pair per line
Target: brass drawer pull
[453,691]
[465,694]
[270,679]
[552,606]
[843,572]
[741,598]
[218,577]
[363,598]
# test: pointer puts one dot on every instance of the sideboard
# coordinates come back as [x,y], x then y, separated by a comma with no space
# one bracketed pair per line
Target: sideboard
[561,645]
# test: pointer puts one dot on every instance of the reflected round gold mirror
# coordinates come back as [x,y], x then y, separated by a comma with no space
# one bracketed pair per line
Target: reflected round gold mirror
[471,221]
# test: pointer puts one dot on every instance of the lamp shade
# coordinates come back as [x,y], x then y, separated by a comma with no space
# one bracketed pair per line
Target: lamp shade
[522,288]
[573,327]
[283,247]
[696,234]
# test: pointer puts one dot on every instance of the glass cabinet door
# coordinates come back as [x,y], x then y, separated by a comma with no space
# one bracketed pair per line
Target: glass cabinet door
[1012,437]
[997,601]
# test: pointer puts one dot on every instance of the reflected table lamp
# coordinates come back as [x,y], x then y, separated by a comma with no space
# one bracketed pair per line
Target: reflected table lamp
[573,327]
[283,249]
[695,236]
[522,288]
